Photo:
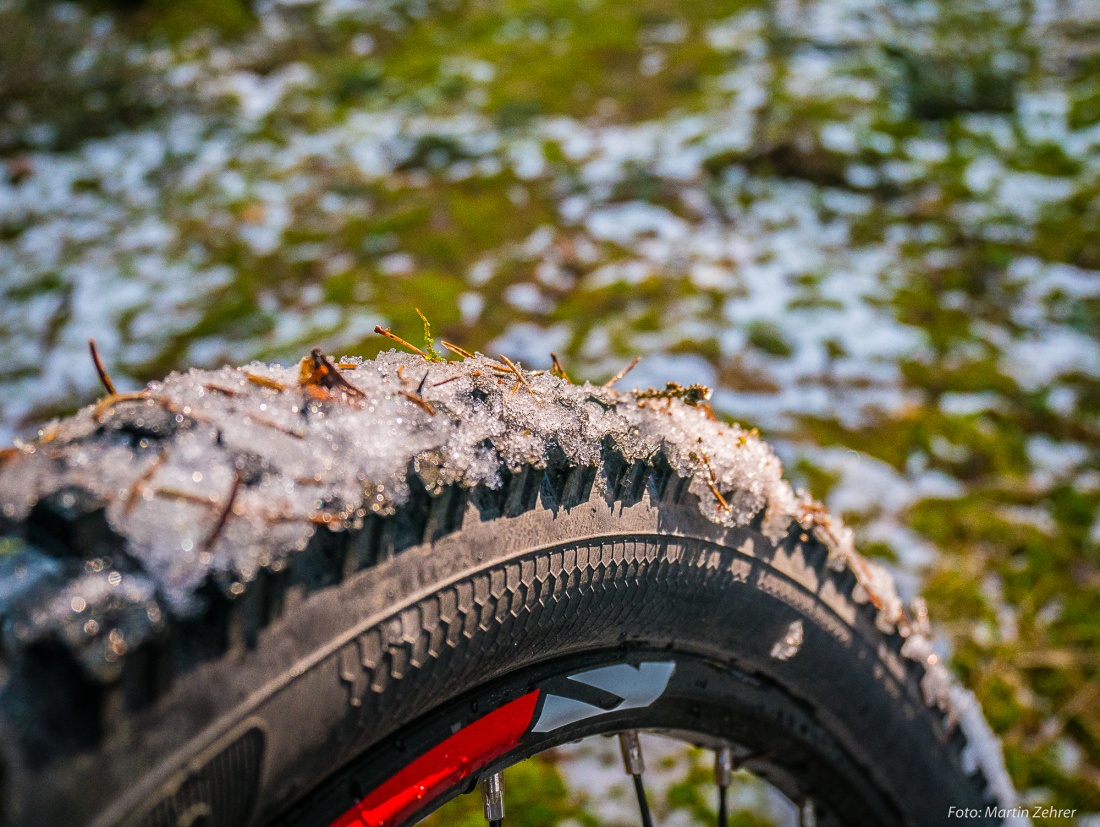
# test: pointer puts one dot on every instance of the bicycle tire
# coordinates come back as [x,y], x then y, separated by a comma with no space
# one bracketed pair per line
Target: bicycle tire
[288,693]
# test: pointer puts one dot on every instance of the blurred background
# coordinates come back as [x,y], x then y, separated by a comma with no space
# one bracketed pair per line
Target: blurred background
[873,226]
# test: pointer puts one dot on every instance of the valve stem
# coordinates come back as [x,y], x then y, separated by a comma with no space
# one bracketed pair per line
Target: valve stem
[492,796]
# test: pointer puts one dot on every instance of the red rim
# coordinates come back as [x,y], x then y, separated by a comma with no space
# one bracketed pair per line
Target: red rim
[443,766]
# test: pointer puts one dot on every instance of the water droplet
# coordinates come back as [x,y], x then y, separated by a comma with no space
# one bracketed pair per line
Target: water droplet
[78,604]
[787,647]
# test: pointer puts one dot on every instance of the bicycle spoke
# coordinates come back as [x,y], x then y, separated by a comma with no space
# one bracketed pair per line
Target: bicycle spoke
[723,775]
[492,796]
[806,815]
[635,765]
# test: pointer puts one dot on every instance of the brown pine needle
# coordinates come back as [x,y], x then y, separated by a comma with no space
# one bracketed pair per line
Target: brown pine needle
[138,487]
[457,376]
[718,495]
[210,386]
[275,426]
[614,379]
[106,403]
[263,381]
[50,434]
[712,483]
[399,340]
[558,370]
[347,365]
[519,376]
[102,371]
[465,354]
[223,515]
[419,400]
[186,496]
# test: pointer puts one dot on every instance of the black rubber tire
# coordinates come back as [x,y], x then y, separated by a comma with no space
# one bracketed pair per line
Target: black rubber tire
[282,705]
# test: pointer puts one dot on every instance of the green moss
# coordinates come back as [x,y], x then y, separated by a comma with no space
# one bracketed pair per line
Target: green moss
[818,481]
[177,19]
[769,338]
[9,546]
[429,343]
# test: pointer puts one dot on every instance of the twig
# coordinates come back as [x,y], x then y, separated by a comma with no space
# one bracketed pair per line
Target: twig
[102,371]
[138,487]
[558,370]
[106,403]
[210,386]
[633,363]
[399,340]
[186,496]
[718,495]
[519,376]
[418,397]
[263,381]
[50,434]
[271,423]
[419,400]
[712,483]
[223,516]
[465,354]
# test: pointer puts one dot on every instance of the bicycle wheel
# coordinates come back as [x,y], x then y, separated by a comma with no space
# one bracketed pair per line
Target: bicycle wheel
[258,596]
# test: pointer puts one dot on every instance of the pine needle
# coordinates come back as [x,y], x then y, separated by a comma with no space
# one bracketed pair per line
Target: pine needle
[614,379]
